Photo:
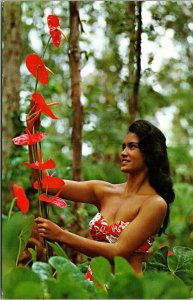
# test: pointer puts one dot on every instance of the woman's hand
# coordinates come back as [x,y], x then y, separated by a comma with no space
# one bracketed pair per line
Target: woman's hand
[33,117]
[48,229]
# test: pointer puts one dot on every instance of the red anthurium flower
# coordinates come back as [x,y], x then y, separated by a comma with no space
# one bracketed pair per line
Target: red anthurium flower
[29,139]
[41,105]
[37,68]
[55,30]
[40,165]
[55,200]
[21,199]
[53,24]
[48,164]
[50,182]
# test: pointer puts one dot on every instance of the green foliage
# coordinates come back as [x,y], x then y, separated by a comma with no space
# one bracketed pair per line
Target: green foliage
[22,283]
[182,265]
[101,270]
[16,232]
[165,276]
[43,270]
[69,282]
[158,260]
[101,170]
[180,228]
[57,249]
[179,263]
[159,285]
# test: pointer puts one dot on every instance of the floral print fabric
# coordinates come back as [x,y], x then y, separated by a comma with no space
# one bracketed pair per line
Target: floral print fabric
[100,230]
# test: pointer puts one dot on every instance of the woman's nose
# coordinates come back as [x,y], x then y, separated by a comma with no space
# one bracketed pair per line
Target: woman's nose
[124,152]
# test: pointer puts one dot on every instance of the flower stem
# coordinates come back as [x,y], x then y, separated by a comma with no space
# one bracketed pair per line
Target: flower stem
[36,84]
[46,48]
[11,208]
[18,254]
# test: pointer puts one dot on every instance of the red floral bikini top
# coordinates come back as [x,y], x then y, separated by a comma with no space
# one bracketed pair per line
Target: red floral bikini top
[101,231]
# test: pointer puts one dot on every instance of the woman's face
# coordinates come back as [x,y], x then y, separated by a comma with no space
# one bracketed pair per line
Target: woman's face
[132,160]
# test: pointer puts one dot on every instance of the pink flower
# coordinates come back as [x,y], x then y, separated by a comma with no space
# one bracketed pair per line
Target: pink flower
[29,139]
[55,200]
[21,199]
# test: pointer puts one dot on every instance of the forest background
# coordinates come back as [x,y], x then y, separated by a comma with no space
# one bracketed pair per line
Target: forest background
[136,61]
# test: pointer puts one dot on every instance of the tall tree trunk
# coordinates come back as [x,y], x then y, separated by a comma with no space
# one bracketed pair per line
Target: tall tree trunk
[77,116]
[11,58]
[77,121]
[134,17]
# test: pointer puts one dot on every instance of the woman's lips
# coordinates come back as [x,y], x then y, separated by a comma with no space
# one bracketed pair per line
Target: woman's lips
[125,161]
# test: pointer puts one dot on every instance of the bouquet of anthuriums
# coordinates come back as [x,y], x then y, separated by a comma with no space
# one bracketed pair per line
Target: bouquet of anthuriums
[33,136]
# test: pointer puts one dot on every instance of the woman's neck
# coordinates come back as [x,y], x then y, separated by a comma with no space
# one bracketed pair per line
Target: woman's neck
[138,184]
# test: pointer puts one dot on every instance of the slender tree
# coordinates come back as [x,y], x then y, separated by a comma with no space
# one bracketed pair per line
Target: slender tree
[77,116]
[77,112]
[11,59]
[134,18]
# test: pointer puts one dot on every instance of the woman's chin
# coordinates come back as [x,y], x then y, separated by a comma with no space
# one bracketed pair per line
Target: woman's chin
[124,169]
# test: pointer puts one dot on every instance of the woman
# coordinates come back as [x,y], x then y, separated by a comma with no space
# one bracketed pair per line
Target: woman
[131,213]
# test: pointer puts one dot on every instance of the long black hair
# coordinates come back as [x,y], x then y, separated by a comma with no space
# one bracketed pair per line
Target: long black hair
[153,146]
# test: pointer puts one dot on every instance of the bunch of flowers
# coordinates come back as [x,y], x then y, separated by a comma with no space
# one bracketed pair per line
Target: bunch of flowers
[33,136]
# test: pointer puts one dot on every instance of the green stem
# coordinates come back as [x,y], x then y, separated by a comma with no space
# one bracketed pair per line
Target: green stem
[46,48]
[36,84]
[18,254]
[11,208]
[54,274]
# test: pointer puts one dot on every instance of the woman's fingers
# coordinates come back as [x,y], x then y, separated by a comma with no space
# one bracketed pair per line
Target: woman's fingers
[39,220]
[47,228]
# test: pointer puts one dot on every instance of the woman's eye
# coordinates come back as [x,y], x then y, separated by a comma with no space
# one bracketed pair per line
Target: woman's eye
[133,146]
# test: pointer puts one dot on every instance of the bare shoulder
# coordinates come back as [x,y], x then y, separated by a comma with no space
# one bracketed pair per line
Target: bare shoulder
[155,204]
[101,186]
[153,212]
[101,190]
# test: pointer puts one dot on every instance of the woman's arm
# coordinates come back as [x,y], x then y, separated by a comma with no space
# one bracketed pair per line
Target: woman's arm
[80,191]
[133,236]
[91,248]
